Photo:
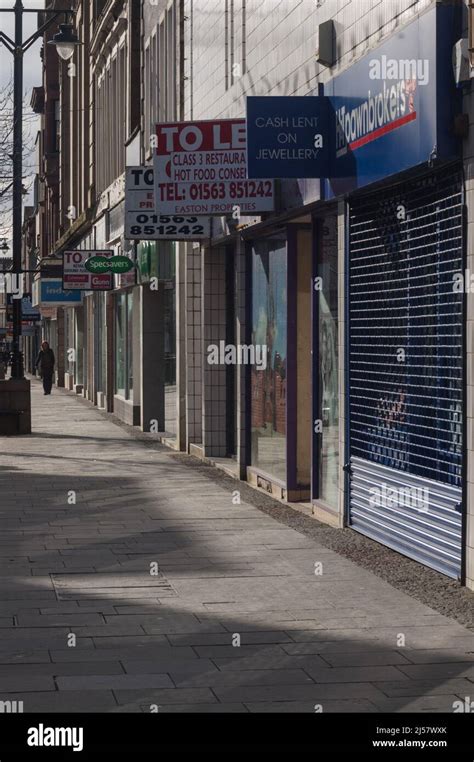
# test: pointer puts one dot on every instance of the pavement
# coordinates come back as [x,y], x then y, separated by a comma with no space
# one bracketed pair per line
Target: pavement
[130,582]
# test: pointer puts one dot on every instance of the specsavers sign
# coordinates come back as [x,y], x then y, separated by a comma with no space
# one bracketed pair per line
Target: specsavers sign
[201,168]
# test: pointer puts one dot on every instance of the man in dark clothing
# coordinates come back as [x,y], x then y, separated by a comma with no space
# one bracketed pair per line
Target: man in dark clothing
[45,362]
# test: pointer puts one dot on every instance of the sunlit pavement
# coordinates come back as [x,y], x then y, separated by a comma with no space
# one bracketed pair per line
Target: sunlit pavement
[131,583]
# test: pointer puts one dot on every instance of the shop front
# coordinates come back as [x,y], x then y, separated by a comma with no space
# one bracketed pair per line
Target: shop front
[124,344]
[398,164]
[279,341]
[56,304]
[326,483]
[406,369]
[156,353]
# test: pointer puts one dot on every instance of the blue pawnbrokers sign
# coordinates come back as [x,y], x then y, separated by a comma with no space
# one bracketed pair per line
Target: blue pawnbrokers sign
[287,137]
[52,293]
[390,111]
[394,109]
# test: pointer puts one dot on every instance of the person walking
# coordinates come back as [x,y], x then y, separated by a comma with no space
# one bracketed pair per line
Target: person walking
[45,363]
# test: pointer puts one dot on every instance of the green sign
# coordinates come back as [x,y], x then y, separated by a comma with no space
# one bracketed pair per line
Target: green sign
[117,265]
[97,264]
[120,264]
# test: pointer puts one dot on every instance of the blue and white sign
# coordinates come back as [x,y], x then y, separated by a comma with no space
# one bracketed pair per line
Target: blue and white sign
[287,137]
[394,109]
[52,292]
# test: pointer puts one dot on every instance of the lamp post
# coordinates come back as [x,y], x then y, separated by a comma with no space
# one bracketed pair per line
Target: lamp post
[66,42]
[5,262]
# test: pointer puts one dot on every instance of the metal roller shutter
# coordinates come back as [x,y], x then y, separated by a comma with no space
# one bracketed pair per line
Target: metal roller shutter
[406,369]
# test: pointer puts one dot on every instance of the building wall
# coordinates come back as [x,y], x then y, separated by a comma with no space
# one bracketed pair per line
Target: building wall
[235,48]
[213,320]
[274,43]
[194,346]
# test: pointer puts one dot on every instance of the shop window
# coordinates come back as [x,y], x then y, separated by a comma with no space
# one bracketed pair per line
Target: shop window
[99,6]
[328,363]
[79,344]
[129,363]
[269,338]
[100,348]
[123,345]
[159,261]
[71,343]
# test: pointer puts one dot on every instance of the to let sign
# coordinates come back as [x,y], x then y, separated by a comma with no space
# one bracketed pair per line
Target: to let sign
[142,223]
[76,277]
[201,168]
[288,137]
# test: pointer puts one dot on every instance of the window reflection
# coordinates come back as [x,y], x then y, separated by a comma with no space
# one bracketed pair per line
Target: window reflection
[269,328]
[328,364]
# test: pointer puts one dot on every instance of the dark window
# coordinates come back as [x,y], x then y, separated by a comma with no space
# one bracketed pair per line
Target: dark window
[99,6]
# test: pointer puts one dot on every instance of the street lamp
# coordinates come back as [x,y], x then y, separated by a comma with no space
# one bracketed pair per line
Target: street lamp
[65,42]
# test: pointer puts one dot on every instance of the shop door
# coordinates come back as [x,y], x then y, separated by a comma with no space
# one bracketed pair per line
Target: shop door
[406,369]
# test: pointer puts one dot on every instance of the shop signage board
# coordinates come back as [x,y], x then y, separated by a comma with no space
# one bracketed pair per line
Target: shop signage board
[394,108]
[116,264]
[76,277]
[27,329]
[52,293]
[29,313]
[142,223]
[201,169]
[288,137]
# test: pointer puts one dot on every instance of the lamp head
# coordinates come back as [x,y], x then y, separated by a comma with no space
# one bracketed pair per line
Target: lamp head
[66,41]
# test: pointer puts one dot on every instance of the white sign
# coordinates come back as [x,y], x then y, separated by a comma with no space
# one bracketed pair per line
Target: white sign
[139,192]
[141,221]
[77,278]
[200,168]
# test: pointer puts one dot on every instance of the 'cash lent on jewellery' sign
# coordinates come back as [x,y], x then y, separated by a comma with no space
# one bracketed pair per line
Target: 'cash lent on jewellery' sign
[142,223]
[288,136]
[201,168]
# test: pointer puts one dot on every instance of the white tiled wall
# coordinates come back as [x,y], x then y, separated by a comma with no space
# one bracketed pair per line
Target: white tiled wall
[241,338]
[213,310]
[281,43]
[193,346]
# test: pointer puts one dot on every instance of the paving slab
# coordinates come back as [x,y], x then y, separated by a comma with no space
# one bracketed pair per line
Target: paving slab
[169,638]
